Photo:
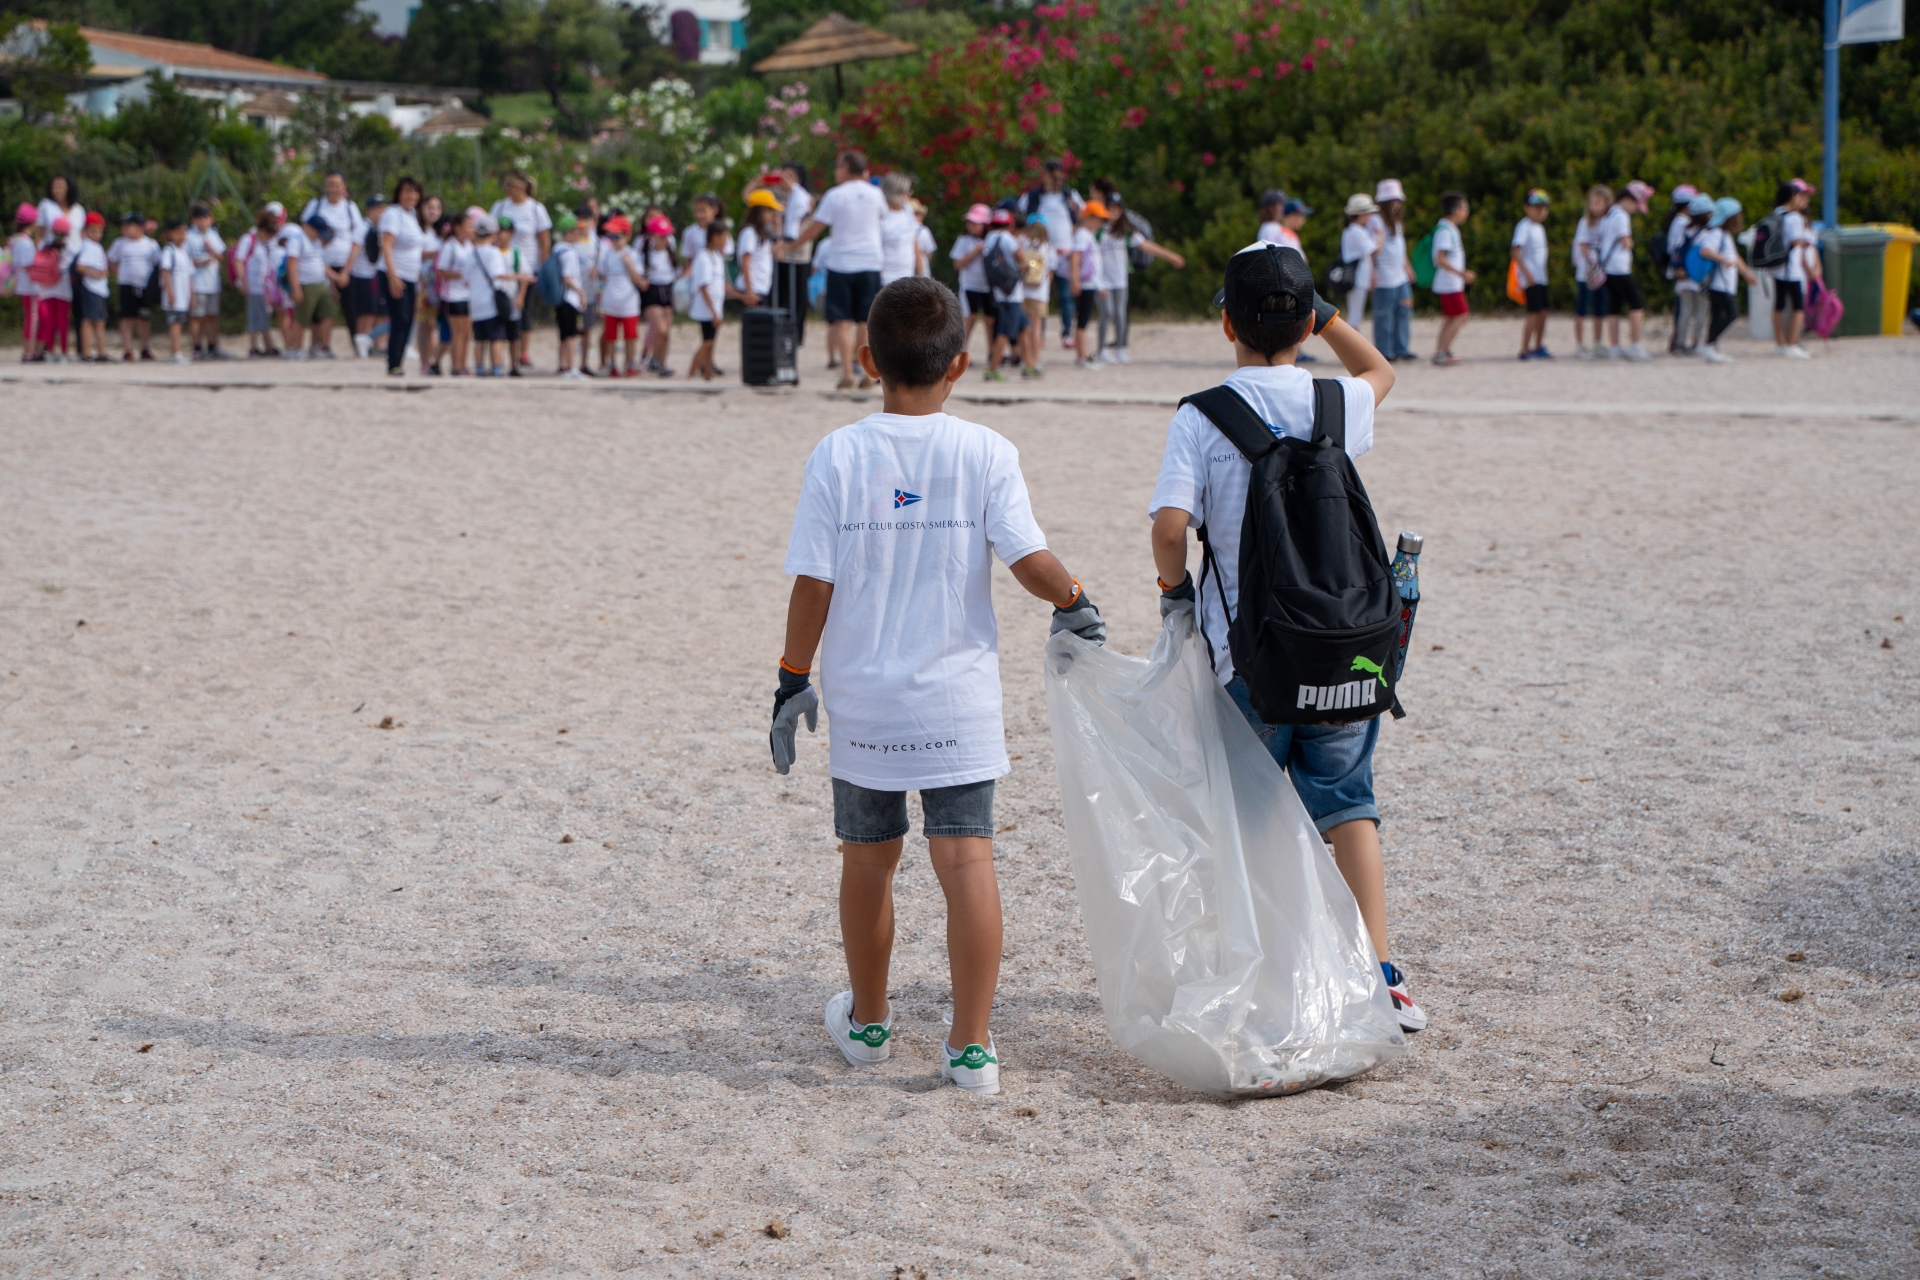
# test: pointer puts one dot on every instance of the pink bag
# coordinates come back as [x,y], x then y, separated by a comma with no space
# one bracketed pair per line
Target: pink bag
[1824,309]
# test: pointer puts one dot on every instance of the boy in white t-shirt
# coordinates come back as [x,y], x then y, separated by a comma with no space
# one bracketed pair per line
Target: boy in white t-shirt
[708,281]
[1270,308]
[134,257]
[1450,274]
[900,517]
[205,247]
[175,265]
[1529,253]
[91,263]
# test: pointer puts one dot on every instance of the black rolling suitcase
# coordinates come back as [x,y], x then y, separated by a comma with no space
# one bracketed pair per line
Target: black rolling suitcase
[767,348]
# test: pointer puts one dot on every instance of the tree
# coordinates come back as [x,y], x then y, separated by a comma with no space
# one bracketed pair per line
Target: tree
[45,64]
[167,124]
[568,45]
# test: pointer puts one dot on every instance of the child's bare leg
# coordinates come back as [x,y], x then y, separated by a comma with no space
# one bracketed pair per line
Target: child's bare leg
[964,866]
[1356,851]
[866,923]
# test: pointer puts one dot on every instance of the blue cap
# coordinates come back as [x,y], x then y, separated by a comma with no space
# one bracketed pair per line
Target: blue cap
[1295,206]
[1723,209]
[1702,203]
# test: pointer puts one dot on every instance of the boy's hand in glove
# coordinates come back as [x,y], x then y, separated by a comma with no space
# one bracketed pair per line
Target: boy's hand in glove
[1080,617]
[794,699]
[1173,599]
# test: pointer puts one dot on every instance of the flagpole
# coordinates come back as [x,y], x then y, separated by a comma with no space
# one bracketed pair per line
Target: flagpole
[1830,171]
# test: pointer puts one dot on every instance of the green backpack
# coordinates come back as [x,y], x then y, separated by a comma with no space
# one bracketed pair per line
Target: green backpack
[1423,262]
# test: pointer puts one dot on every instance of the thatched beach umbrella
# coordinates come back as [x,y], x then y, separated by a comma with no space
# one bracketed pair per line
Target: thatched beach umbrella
[834,41]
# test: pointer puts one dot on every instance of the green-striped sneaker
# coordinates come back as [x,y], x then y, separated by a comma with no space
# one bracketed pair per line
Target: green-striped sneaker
[860,1046]
[975,1069]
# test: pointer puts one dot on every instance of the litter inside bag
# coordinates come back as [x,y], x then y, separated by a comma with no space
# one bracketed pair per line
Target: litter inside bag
[1230,952]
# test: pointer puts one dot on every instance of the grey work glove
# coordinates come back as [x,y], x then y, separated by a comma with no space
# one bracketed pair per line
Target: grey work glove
[795,698]
[1174,599]
[1081,618]
[1323,312]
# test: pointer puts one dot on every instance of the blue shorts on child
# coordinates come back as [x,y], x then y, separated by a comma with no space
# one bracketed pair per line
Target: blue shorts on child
[1331,764]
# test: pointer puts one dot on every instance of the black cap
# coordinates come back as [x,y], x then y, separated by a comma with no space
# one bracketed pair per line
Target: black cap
[1258,271]
[321,227]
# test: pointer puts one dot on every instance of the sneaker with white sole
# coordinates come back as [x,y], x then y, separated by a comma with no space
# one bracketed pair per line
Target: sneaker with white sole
[1639,353]
[975,1068]
[1412,1016]
[861,1046]
[1616,353]
[1796,352]
[363,345]
[1714,355]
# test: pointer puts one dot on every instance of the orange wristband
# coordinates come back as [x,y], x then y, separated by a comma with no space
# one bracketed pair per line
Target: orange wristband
[787,666]
[1073,597]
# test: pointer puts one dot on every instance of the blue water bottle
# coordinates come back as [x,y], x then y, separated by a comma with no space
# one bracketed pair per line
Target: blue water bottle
[1406,581]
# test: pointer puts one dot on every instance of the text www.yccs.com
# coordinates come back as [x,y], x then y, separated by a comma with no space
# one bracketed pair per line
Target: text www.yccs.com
[896,747]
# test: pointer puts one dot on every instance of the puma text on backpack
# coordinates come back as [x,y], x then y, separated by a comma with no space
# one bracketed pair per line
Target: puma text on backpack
[1003,268]
[1770,246]
[1319,620]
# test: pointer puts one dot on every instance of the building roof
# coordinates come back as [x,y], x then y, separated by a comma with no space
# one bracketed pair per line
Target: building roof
[274,104]
[187,56]
[834,39]
[452,120]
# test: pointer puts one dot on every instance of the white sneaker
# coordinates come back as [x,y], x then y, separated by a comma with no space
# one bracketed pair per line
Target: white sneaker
[860,1046]
[1617,353]
[1583,353]
[1796,352]
[363,345]
[296,354]
[1108,357]
[1638,352]
[1412,1016]
[180,359]
[1714,355]
[572,373]
[975,1069]
[1122,356]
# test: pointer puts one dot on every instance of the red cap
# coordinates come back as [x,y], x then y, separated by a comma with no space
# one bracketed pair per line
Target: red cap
[618,226]
[95,219]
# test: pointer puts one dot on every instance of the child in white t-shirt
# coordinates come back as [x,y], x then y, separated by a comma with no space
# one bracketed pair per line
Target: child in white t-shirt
[1450,274]
[1529,254]
[1716,245]
[176,288]
[205,247]
[708,281]
[134,256]
[900,518]
[20,254]
[969,261]
[91,263]
[1036,284]
[1084,251]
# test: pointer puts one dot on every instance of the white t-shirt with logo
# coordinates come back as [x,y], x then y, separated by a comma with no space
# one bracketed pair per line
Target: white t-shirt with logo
[899,233]
[854,210]
[903,515]
[1616,254]
[1202,474]
[973,276]
[1531,239]
[134,260]
[1447,248]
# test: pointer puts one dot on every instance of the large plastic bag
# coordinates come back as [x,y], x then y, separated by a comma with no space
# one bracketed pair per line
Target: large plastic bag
[1231,954]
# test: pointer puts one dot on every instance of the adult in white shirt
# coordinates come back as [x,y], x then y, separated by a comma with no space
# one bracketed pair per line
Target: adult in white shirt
[1357,246]
[790,273]
[347,248]
[1802,264]
[852,210]
[1450,274]
[755,248]
[402,239]
[1060,205]
[1528,252]
[1203,484]
[1392,287]
[62,201]
[1615,251]
[899,232]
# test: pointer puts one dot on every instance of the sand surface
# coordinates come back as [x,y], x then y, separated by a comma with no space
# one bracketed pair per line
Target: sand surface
[530,981]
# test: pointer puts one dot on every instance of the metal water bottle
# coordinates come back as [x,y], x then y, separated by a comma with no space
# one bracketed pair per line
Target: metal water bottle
[1406,581]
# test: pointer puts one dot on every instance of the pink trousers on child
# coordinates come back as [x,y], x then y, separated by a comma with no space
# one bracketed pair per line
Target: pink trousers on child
[53,321]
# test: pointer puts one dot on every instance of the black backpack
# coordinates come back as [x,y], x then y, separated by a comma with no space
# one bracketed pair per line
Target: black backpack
[1003,269]
[1319,622]
[1770,247]
[1657,256]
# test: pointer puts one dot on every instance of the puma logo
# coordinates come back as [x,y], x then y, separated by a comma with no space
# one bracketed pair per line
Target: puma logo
[1368,664]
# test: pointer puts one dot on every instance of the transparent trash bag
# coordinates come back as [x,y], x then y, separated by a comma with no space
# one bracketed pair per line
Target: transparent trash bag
[1230,953]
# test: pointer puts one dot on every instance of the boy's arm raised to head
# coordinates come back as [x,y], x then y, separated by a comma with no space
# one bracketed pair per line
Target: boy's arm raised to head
[1361,358]
[806,619]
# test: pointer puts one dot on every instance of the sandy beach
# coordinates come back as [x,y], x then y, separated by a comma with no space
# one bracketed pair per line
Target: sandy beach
[394,882]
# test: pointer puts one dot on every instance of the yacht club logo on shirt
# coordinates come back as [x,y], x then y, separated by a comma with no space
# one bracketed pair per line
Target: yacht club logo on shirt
[901,498]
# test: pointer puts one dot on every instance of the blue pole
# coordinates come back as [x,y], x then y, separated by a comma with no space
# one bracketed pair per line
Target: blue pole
[1830,171]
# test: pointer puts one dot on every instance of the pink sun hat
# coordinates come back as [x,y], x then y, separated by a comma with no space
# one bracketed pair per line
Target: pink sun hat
[980,214]
[25,213]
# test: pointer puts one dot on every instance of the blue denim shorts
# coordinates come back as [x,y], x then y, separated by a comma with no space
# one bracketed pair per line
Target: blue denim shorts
[862,815]
[1331,764]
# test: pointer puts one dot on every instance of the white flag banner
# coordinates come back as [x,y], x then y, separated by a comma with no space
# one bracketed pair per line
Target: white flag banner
[1868,21]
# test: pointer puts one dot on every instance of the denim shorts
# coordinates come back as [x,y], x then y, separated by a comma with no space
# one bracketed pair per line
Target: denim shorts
[864,816]
[1331,764]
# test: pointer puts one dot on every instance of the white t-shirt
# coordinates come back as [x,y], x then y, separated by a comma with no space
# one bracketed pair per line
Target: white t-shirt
[708,279]
[1390,259]
[660,267]
[177,283]
[898,235]
[1089,259]
[903,515]
[1062,211]
[924,239]
[310,260]
[573,278]
[1202,474]
[799,202]
[1616,255]
[408,240]
[1112,250]
[1531,238]
[757,255]
[973,276]
[693,243]
[1001,238]
[530,218]
[619,295]
[20,251]
[1793,228]
[1679,232]
[134,260]
[1448,249]
[349,228]
[854,210]
[205,248]
[255,252]
[452,262]
[94,256]
[76,215]
[480,268]
[1356,246]
[1725,277]
[364,267]
[1586,247]
[1271,233]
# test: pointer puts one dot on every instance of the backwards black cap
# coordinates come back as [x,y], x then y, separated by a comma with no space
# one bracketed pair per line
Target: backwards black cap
[1256,273]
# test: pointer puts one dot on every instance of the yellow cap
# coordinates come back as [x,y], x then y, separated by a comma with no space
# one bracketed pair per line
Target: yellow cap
[763,199]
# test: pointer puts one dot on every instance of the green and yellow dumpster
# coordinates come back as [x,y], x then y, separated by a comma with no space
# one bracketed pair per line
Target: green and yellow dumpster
[1897,276]
[1854,259]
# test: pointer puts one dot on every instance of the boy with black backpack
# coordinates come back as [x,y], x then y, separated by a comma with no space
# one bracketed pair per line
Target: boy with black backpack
[1295,599]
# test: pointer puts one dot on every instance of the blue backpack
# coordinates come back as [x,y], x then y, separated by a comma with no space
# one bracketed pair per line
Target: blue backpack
[551,284]
[1700,267]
